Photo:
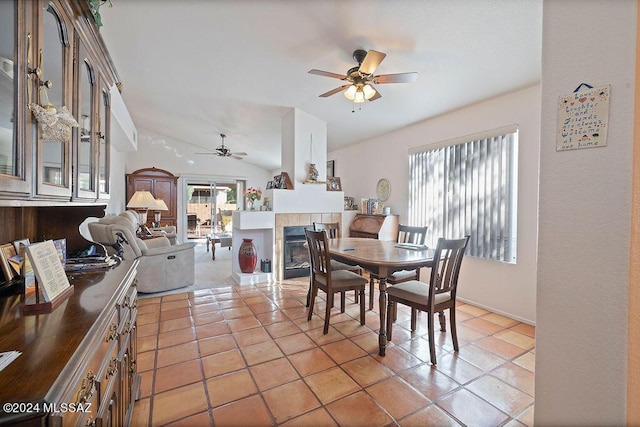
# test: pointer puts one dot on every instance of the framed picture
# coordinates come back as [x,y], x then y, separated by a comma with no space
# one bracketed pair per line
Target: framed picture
[278,182]
[333,184]
[6,252]
[17,243]
[269,185]
[331,168]
[348,203]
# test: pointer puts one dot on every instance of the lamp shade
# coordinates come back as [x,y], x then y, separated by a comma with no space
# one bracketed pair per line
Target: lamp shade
[161,205]
[351,92]
[368,91]
[142,200]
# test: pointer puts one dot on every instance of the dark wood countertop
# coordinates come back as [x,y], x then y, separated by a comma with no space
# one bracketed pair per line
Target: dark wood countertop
[48,341]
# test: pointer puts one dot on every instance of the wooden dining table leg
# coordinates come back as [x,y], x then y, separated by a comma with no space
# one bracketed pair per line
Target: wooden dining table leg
[382,339]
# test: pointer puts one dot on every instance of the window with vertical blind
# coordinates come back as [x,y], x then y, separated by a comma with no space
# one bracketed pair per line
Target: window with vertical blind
[468,186]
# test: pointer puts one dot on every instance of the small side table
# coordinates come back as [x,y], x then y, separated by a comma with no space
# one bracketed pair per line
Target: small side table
[213,239]
[223,238]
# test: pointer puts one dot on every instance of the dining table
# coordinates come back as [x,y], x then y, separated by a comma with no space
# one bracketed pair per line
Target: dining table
[382,258]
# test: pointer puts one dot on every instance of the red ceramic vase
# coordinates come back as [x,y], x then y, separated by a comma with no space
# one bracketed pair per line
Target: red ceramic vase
[247,256]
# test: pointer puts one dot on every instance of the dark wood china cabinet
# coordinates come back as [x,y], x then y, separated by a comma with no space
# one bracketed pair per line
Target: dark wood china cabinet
[161,184]
[51,53]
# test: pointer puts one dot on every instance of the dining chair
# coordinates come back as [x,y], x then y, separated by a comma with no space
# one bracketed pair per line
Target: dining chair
[330,281]
[333,231]
[433,297]
[406,234]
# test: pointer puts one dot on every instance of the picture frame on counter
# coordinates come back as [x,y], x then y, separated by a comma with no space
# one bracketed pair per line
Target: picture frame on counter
[334,184]
[349,203]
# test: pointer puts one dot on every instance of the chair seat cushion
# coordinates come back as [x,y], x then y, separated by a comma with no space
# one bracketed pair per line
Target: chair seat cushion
[416,292]
[343,279]
[402,275]
[337,265]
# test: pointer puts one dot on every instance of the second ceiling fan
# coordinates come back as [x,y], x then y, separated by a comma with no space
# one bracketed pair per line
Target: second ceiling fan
[361,78]
[224,151]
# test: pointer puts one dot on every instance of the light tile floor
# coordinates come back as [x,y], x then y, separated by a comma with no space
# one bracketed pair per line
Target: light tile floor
[247,356]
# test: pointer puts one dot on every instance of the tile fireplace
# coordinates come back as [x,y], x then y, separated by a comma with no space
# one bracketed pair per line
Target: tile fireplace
[296,260]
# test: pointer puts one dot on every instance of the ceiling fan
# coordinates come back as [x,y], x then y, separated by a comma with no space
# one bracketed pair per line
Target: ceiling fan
[361,78]
[224,151]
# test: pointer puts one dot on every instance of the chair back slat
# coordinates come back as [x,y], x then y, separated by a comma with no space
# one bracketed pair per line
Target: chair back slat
[411,234]
[332,228]
[446,269]
[319,254]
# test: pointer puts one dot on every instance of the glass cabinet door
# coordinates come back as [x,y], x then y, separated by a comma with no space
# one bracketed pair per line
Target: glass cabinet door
[8,140]
[15,172]
[54,59]
[85,135]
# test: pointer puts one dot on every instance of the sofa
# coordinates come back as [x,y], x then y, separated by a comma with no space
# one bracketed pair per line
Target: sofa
[162,267]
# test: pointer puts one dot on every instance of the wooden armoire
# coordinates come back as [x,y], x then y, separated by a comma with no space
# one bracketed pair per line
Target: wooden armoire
[163,185]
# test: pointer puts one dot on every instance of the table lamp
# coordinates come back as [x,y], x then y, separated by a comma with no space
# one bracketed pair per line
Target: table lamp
[160,206]
[141,202]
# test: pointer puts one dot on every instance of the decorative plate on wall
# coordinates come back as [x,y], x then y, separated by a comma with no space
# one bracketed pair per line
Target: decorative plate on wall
[383,189]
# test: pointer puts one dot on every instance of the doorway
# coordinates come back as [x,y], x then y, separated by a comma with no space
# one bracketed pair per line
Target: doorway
[205,200]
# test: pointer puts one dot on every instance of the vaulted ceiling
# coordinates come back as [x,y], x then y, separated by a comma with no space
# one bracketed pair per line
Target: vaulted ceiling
[193,69]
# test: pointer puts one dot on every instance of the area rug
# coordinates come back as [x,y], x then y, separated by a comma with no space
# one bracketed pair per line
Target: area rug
[208,273]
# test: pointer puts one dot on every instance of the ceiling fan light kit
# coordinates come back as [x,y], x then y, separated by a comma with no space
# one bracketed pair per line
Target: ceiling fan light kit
[359,93]
[361,78]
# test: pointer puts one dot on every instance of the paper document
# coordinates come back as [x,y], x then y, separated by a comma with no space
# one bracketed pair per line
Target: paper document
[411,246]
[8,357]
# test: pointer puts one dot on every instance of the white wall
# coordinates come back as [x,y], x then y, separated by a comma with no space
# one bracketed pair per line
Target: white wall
[297,154]
[585,208]
[118,189]
[504,288]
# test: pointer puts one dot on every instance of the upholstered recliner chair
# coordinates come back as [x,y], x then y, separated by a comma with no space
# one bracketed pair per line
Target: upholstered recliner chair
[162,266]
[168,231]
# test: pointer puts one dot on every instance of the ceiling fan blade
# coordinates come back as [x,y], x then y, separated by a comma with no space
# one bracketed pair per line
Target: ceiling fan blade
[371,61]
[334,91]
[208,152]
[239,154]
[327,74]
[396,78]
[233,156]
[376,96]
